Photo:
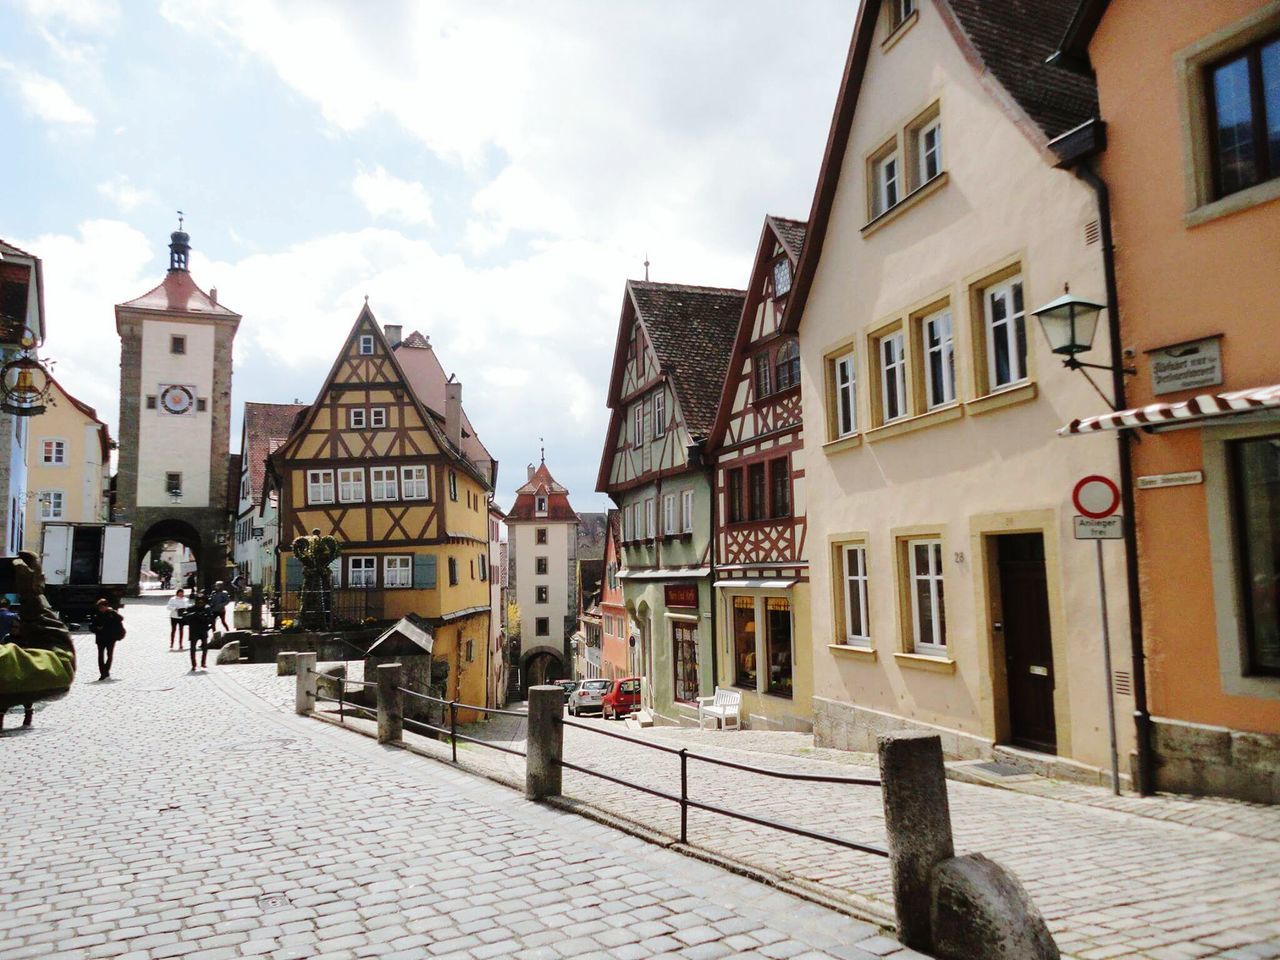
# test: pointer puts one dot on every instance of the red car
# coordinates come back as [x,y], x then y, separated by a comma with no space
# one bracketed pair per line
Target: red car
[622,698]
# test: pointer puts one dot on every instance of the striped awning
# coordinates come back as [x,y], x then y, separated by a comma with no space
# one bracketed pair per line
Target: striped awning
[1203,407]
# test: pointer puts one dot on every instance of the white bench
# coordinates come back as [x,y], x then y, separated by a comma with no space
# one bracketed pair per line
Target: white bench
[721,708]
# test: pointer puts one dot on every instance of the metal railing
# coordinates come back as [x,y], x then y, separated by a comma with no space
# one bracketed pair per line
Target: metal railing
[452,730]
[341,700]
[344,605]
[686,802]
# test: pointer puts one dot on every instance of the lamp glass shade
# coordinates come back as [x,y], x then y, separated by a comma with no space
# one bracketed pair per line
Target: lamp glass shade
[1069,324]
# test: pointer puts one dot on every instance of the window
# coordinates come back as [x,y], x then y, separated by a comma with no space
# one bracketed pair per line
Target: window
[734,495]
[1006,333]
[744,642]
[151,401]
[378,417]
[540,505]
[177,344]
[202,404]
[484,567]
[173,484]
[357,418]
[51,504]
[659,414]
[845,400]
[928,618]
[1244,117]
[540,535]
[684,648]
[319,486]
[780,484]
[413,482]
[782,278]
[453,571]
[1257,508]
[853,574]
[764,386]
[54,452]
[540,565]
[886,181]
[362,572]
[686,511]
[637,521]
[939,358]
[668,514]
[899,10]
[637,431]
[778,637]
[541,595]
[756,492]
[542,627]
[383,483]
[366,345]
[453,486]
[788,366]
[351,485]
[929,151]
[893,376]
[397,572]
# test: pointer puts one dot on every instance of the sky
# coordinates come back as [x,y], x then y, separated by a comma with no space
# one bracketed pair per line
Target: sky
[489,172]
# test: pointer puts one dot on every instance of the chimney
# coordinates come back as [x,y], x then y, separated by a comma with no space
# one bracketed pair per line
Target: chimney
[453,413]
[394,333]
[213,294]
[531,471]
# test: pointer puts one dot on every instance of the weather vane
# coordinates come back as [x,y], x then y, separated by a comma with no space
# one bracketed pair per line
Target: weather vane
[180,219]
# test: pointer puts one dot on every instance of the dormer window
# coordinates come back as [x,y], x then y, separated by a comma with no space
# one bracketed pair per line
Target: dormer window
[366,345]
[782,277]
[540,505]
[788,366]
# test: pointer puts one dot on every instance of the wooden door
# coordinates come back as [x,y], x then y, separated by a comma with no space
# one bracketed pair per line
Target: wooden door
[1024,623]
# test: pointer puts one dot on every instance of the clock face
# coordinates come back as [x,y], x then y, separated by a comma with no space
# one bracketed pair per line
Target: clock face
[177,399]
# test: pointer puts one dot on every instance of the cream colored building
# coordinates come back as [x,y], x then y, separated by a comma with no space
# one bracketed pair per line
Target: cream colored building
[68,465]
[948,591]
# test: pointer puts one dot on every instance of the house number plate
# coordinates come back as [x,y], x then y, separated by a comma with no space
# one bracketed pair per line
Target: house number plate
[1039,671]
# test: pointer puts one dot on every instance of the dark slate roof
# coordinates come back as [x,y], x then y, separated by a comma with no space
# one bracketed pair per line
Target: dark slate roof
[233,482]
[591,532]
[691,330]
[792,233]
[1014,38]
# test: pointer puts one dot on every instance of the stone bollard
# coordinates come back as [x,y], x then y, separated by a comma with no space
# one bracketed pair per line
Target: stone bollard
[918,823]
[545,743]
[305,698]
[981,912]
[230,653]
[286,664]
[390,704]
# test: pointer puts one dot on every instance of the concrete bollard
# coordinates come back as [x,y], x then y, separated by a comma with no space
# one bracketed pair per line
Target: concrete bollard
[305,697]
[545,743]
[390,704]
[286,664]
[918,823]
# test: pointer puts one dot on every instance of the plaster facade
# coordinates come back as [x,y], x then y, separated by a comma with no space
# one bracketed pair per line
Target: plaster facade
[68,455]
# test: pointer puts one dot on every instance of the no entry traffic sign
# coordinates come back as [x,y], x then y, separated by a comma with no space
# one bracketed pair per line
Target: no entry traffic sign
[1096,497]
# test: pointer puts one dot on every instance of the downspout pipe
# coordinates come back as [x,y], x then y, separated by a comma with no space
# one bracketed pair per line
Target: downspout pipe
[1142,718]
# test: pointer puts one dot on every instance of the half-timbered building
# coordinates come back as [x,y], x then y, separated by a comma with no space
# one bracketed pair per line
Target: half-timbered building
[372,464]
[761,567]
[669,365]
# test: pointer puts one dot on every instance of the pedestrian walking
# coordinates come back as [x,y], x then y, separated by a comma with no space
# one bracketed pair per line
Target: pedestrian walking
[199,618]
[218,601]
[176,606]
[108,630]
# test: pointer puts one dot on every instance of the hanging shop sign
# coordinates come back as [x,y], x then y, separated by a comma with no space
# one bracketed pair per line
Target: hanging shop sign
[1186,366]
[682,595]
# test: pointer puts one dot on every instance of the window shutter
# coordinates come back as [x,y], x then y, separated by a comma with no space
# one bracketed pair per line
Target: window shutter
[424,571]
[292,574]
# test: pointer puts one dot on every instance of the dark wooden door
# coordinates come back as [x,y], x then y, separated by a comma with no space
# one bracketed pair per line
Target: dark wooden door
[1024,598]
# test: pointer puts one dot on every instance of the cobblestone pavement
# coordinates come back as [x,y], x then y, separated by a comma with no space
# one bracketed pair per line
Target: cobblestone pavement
[168,814]
[1162,878]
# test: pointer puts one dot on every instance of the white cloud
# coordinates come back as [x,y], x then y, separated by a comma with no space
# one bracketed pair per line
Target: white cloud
[386,196]
[120,191]
[46,99]
[82,14]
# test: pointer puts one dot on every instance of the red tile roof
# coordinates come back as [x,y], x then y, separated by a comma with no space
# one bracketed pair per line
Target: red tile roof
[178,293]
[427,378]
[541,484]
[266,426]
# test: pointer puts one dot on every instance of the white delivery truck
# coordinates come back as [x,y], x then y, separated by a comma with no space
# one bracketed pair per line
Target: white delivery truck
[85,561]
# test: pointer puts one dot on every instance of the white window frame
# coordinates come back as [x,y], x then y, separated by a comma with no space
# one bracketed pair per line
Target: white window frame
[353,478]
[686,511]
[540,505]
[397,572]
[659,415]
[649,507]
[946,349]
[935,645]
[888,182]
[781,268]
[364,565]
[318,482]
[846,384]
[413,479]
[934,126]
[357,418]
[47,511]
[378,417]
[668,514]
[900,10]
[453,486]
[638,429]
[366,345]
[1017,367]
[853,579]
[637,522]
[379,478]
[55,446]
[897,365]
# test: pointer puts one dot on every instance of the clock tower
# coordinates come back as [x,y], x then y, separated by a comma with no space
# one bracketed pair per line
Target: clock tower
[175,416]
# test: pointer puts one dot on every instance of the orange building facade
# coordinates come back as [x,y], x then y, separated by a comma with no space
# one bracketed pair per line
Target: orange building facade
[1189,149]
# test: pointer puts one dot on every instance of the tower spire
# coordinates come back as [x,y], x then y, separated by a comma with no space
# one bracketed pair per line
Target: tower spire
[543,450]
[179,247]
[646,266]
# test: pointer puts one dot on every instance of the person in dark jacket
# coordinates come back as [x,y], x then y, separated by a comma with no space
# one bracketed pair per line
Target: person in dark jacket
[108,630]
[199,620]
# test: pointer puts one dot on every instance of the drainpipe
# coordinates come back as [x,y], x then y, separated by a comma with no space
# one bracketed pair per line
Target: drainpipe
[1142,718]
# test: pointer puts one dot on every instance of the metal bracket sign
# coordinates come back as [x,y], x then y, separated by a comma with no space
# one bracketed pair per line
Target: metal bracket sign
[1103,528]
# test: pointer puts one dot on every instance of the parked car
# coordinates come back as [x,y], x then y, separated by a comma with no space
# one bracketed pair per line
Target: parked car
[568,686]
[588,696]
[622,698]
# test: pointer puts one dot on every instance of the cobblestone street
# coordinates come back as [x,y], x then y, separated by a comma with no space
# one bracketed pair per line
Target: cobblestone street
[170,814]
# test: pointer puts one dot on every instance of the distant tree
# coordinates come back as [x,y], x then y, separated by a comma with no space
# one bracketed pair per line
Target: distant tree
[161,568]
[513,620]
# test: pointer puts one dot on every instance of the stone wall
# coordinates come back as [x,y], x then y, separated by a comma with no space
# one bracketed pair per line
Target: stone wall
[846,726]
[1215,761]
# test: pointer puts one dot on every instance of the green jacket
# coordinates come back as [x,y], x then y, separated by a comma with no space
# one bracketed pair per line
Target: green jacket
[35,671]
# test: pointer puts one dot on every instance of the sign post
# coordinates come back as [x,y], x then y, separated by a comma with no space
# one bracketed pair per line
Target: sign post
[1098,499]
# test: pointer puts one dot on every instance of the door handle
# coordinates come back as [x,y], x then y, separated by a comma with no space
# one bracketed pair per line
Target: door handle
[997,625]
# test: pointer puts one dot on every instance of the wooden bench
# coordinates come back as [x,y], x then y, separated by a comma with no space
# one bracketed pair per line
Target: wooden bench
[723,707]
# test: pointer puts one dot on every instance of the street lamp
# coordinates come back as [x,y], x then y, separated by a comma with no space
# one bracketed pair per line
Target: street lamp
[1069,324]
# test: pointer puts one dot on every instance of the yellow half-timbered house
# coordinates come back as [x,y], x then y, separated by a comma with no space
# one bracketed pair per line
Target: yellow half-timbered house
[405,488]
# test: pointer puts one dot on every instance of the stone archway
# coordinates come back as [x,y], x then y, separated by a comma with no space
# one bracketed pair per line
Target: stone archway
[541,664]
[170,531]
